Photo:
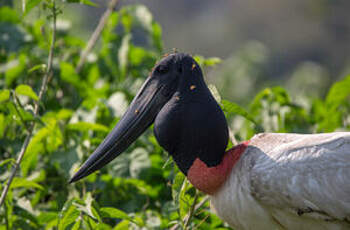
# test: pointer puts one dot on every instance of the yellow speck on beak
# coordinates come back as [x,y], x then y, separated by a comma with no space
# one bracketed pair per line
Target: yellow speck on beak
[193,66]
[192,87]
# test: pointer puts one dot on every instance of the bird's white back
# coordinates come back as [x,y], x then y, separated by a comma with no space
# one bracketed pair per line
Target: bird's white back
[289,181]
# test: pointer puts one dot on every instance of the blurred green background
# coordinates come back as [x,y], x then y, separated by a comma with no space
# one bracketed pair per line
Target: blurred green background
[272,66]
[296,44]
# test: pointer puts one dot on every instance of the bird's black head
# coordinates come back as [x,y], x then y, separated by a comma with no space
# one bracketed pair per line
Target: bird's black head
[188,122]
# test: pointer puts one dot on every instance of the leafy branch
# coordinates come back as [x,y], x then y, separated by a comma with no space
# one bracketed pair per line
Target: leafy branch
[95,35]
[46,77]
[191,212]
[193,209]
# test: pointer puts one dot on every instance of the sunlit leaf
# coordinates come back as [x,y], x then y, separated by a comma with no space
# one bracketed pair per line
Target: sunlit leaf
[86,126]
[46,217]
[8,15]
[16,70]
[207,62]
[26,90]
[2,124]
[233,108]
[85,2]
[77,225]
[70,215]
[339,92]
[64,114]
[41,67]
[24,183]
[30,5]
[212,61]
[68,73]
[157,36]
[4,95]
[7,161]
[48,138]
[109,212]
[177,185]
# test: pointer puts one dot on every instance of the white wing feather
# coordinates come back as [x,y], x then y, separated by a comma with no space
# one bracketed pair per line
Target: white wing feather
[305,174]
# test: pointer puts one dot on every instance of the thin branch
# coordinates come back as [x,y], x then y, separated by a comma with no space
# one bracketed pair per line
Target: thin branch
[192,210]
[196,208]
[232,137]
[47,75]
[95,35]
[202,221]
[18,112]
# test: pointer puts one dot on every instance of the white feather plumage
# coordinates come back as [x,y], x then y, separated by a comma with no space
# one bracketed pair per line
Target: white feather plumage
[289,181]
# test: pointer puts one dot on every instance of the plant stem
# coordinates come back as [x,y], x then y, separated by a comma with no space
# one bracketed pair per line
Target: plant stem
[48,73]
[198,206]
[192,210]
[95,35]
[18,112]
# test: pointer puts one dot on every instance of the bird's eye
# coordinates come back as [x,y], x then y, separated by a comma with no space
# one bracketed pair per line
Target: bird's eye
[162,69]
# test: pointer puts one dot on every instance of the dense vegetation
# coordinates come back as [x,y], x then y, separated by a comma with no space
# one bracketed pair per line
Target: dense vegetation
[142,188]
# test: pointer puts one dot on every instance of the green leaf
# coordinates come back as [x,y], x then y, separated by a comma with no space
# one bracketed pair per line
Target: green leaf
[184,199]
[45,217]
[231,107]
[86,126]
[7,161]
[24,183]
[108,31]
[157,36]
[4,95]
[338,93]
[26,90]
[69,75]
[64,114]
[177,184]
[89,207]
[46,139]
[69,215]
[3,124]
[77,224]
[30,4]
[275,94]
[207,62]
[212,61]
[109,212]
[85,2]
[330,113]
[41,67]
[16,70]
[8,15]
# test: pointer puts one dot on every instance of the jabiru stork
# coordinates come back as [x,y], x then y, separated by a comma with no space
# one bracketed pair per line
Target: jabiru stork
[273,181]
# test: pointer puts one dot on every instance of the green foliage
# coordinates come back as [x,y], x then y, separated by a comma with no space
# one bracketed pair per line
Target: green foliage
[207,62]
[26,90]
[4,95]
[232,108]
[142,188]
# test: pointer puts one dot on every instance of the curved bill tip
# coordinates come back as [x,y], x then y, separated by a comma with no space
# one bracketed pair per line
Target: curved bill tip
[75,178]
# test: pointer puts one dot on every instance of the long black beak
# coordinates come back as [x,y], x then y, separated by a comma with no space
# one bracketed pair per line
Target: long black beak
[139,116]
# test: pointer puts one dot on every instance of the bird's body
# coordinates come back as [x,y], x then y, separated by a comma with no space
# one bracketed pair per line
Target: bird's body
[289,181]
[273,181]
